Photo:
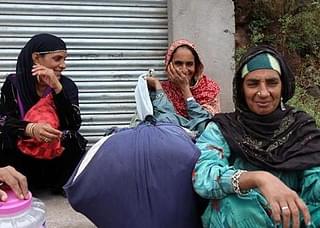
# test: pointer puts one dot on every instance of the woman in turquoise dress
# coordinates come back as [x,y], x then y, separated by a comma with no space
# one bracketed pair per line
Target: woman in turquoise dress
[260,165]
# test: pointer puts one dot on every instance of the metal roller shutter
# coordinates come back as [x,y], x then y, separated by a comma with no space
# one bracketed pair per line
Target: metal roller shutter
[109,44]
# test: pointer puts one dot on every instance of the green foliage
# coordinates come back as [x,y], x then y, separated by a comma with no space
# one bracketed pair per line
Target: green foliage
[259,22]
[239,53]
[309,73]
[302,30]
[307,103]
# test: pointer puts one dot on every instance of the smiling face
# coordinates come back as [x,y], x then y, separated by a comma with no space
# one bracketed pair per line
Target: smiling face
[262,91]
[184,61]
[54,61]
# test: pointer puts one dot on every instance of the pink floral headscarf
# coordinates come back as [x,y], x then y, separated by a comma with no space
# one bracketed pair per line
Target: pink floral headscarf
[178,43]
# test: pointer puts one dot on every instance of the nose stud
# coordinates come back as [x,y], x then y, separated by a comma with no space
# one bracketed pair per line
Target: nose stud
[259,93]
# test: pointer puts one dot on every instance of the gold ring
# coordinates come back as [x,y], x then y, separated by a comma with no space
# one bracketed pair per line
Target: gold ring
[45,139]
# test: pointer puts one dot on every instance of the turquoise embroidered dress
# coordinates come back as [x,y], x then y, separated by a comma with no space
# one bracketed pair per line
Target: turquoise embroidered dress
[212,180]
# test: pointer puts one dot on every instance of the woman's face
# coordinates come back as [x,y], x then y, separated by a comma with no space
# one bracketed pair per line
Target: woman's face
[54,61]
[183,60]
[262,91]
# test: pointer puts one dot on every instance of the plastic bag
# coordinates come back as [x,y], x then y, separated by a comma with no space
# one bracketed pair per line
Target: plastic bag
[142,97]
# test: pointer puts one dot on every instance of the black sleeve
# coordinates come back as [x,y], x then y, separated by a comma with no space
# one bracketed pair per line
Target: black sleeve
[67,104]
[10,122]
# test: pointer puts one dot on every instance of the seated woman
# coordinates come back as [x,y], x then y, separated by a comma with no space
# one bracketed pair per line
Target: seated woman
[38,74]
[188,97]
[260,165]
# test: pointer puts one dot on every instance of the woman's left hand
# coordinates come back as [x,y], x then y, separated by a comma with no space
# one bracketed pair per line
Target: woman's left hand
[177,77]
[286,204]
[47,76]
[180,80]
[44,132]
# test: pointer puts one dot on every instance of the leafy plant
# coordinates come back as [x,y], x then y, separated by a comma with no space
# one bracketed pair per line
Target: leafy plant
[239,53]
[257,27]
[303,30]
[307,103]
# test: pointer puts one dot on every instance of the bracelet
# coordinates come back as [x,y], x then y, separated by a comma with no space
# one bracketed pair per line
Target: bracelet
[190,99]
[160,94]
[32,129]
[235,181]
[29,129]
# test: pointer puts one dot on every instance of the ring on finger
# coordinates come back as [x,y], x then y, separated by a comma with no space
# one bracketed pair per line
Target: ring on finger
[284,208]
[45,139]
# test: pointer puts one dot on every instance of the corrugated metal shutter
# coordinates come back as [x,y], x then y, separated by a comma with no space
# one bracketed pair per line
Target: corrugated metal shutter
[110,43]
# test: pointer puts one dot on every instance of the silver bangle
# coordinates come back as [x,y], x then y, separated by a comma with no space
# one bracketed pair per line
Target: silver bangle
[235,182]
[190,99]
[159,95]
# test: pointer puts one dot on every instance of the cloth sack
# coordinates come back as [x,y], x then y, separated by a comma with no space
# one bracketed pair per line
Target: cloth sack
[138,177]
[42,112]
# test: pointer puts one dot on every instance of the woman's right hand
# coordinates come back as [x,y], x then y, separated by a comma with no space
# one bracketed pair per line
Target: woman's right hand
[15,180]
[47,76]
[153,83]
[285,203]
[43,132]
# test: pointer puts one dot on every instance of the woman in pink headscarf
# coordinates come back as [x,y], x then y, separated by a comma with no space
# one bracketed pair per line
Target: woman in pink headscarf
[188,97]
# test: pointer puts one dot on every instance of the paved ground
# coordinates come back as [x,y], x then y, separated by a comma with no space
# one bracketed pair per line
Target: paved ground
[60,214]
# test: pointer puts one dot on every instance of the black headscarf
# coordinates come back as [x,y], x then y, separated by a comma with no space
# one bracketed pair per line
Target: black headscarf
[283,140]
[26,83]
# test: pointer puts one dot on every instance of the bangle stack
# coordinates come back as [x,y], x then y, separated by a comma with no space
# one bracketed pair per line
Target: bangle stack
[235,182]
[30,129]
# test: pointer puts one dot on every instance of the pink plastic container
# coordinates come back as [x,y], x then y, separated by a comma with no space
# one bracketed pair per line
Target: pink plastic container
[16,213]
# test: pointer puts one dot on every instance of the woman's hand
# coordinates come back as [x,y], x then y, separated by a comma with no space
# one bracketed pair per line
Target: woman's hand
[153,83]
[47,76]
[15,180]
[178,78]
[285,203]
[43,132]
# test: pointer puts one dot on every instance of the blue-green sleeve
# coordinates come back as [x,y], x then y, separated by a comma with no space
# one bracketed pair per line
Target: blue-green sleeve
[212,176]
[198,116]
[165,111]
[310,193]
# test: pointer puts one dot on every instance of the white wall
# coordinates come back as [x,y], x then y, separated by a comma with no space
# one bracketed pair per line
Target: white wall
[210,25]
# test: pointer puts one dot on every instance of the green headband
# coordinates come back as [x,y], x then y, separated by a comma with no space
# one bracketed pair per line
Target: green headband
[261,61]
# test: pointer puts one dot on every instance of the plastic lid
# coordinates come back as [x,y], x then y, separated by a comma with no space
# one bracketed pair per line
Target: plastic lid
[14,205]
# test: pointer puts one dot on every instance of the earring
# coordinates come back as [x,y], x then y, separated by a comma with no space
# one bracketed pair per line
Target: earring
[283,108]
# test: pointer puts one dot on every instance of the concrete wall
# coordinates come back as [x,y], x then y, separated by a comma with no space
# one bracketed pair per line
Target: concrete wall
[210,25]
